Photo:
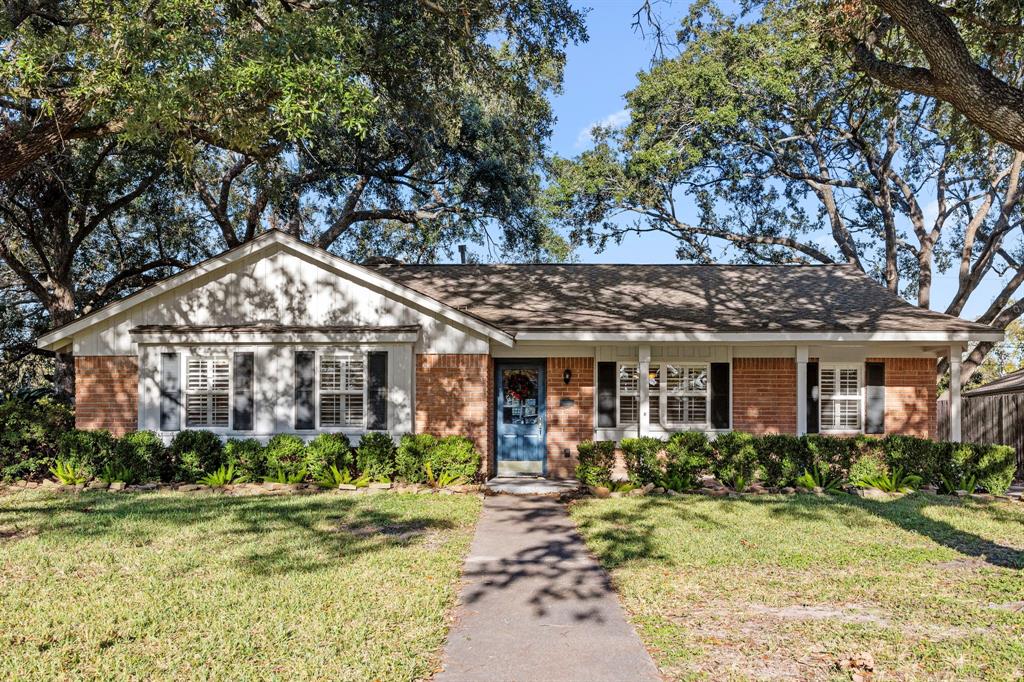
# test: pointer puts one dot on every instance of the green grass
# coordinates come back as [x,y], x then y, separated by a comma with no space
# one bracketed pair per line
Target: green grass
[168,586]
[766,587]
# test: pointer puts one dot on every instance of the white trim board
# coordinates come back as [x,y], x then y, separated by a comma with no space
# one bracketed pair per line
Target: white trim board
[265,242]
[759,337]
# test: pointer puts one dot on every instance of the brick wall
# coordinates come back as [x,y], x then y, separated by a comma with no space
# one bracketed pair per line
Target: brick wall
[910,396]
[453,397]
[764,395]
[567,426]
[107,393]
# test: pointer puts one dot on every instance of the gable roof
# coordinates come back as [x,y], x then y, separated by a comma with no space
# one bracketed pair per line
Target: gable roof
[1011,383]
[531,300]
[272,241]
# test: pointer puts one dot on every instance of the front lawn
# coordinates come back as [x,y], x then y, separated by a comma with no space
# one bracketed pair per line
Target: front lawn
[169,586]
[788,587]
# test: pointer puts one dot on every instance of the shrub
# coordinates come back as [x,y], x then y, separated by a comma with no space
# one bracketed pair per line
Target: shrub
[836,452]
[114,473]
[688,455]
[596,461]
[192,454]
[141,454]
[334,477]
[248,456]
[285,453]
[411,456]
[735,457]
[781,458]
[325,451]
[897,481]
[642,461]
[819,477]
[917,456]
[453,457]
[870,464]
[29,429]
[222,477]
[375,455]
[87,451]
[993,466]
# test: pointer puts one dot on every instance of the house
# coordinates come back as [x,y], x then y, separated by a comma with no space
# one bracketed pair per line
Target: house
[279,336]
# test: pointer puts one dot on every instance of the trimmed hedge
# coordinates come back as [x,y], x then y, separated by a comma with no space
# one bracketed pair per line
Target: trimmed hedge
[596,461]
[778,459]
[451,456]
[375,455]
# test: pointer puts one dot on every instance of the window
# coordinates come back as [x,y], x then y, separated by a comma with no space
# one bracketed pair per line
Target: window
[629,395]
[686,400]
[840,391]
[208,392]
[342,391]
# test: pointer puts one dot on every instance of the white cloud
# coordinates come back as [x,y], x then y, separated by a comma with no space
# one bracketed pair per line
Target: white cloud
[617,119]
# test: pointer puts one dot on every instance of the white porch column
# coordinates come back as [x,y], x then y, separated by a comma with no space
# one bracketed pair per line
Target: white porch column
[801,390]
[644,391]
[954,393]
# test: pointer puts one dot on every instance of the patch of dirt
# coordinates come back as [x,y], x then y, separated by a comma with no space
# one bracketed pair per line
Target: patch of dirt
[15,534]
[847,614]
[1008,606]
[962,563]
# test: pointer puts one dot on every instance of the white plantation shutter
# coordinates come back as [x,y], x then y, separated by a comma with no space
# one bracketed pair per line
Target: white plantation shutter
[840,391]
[208,392]
[342,391]
[687,394]
[629,392]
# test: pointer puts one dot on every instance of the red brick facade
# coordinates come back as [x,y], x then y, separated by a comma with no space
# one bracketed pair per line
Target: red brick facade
[910,396]
[764,395]
[453,397]
[107,393]
[570,424]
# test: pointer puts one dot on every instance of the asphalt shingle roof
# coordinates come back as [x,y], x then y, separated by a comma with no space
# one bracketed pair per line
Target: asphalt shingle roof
[690,298]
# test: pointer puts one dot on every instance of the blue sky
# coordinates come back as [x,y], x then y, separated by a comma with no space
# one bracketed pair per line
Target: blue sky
[597,75]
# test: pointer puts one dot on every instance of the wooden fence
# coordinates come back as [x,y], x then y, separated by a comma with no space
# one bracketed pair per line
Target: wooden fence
[997,419]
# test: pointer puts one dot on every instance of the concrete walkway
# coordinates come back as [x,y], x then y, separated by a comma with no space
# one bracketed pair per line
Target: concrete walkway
[535,606]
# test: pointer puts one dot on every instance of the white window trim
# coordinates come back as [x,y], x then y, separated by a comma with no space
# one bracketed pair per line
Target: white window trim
[207,354]
[665,393]
[341,353]
[823,366]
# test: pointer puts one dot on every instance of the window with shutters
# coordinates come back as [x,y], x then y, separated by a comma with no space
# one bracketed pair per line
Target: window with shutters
[629,395]
[208,392]
[686,389]
[342,389]
[841,397]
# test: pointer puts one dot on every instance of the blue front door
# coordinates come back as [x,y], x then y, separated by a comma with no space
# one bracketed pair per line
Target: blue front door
[521,416]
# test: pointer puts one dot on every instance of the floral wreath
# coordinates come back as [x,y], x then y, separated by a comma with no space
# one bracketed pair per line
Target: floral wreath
[518,386]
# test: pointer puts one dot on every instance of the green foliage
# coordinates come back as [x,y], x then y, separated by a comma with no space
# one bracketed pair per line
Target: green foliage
[375,455]
[918,455]
[781,458]
[835,451]
[193,453]
[142,454]
[735,456]
[819,477]
[86,451]
[994,467]
[454,456]
[595,463]
[328,450]
[678,481]
[642,460]
[113,473]
[223,476]
[869,465]
[248,456]
[70,473]
[29,428]
[286,452]
[896,481]
[412,455]
[443,479]
[334,477]
[282,475]
[950,486]
[688,455]
[739,481]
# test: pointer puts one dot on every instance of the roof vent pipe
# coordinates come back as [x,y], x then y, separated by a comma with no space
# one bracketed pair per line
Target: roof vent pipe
[462,253]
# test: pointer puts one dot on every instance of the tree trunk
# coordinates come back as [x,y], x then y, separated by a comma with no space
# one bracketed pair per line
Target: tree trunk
[62,310]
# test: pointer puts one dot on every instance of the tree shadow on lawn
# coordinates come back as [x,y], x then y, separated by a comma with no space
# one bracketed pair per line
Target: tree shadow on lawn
[628,535]
[319,530]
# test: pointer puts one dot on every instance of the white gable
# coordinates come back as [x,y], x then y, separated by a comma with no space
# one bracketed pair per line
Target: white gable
[281,282]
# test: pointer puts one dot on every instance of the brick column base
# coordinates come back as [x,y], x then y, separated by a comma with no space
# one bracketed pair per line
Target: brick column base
[453,398]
